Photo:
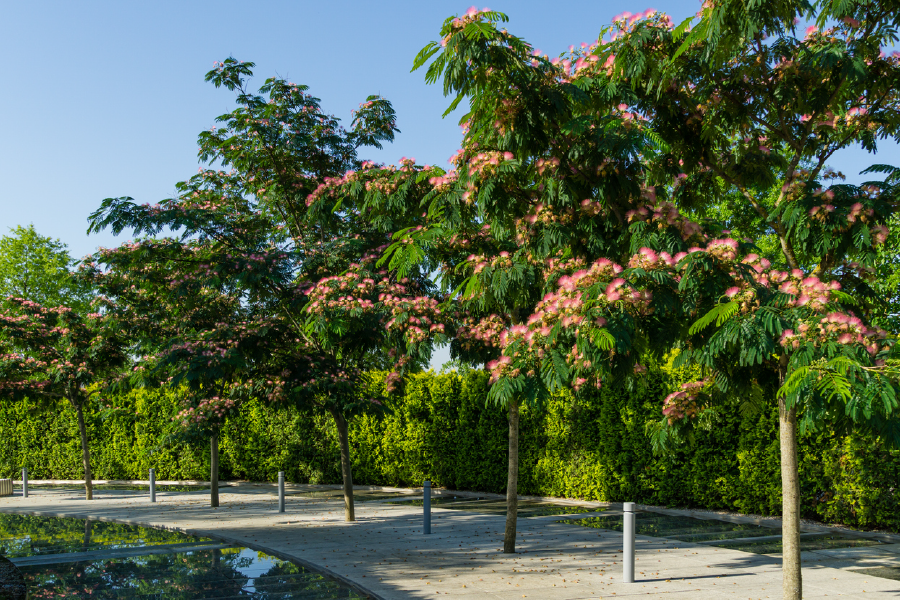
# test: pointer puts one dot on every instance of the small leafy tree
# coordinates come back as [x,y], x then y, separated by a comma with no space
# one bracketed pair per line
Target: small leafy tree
[38,269]
[55,355]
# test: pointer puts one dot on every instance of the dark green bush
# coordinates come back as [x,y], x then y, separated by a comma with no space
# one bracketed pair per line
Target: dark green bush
[593,447]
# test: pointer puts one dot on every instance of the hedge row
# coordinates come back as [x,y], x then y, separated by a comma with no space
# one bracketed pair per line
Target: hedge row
[593,448]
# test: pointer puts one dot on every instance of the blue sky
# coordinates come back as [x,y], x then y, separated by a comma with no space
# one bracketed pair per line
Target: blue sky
[106,98]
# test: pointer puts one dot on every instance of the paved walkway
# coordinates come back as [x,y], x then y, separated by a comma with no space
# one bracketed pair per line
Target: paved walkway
[386,553]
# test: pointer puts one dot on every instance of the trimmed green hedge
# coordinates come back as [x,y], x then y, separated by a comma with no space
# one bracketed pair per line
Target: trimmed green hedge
[594,448]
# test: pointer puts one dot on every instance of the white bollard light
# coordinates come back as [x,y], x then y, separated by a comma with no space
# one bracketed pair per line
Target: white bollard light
[25,482]
[628,543]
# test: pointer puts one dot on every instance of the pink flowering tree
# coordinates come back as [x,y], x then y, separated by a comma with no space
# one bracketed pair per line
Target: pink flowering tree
[53,356]
[192,336]
[756,109]
[742,114]
[271,290]
[547,190]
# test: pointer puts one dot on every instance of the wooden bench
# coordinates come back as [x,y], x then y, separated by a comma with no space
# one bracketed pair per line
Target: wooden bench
[6,487]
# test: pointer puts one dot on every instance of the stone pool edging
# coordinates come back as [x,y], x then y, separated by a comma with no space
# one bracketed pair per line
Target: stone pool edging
[356,587]
[773,523]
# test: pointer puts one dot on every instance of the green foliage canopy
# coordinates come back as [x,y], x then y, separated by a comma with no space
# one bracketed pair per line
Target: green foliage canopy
[38,269]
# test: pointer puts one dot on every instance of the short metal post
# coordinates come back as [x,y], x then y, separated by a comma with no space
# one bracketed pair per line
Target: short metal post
[281,491]
[25,482]
[152,485]
[628,543]
[426,506]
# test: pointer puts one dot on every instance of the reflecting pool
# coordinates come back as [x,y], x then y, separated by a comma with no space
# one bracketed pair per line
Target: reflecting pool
[885,572]
[78,558]
[807,542]
[436,500]
[685,529]
[723,534]
[358,495]
[526,508]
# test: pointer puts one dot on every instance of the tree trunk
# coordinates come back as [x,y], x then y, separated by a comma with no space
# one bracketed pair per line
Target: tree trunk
[512,481]
[790,494]
[214,470]
[88,529]
[344,440]
[85,454]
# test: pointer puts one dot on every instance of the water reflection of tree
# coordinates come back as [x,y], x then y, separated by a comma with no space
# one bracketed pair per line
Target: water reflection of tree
[206,574]
[26,535]
[286,579]
[176,576]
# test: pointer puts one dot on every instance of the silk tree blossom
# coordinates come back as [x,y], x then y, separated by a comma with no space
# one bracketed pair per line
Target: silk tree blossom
[686,403]
[477,166]
[489,331]
[841,327]
[583,302]
[666,213]
[723,249]
[209,409]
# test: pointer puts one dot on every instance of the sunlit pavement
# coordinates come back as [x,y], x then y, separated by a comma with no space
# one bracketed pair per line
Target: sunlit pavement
[386,553]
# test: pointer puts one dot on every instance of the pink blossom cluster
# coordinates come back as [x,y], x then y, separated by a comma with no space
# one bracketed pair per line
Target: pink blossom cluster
[724,249]
[392,381]
[592,207]
[584,60]
[879,234]
[472,238]
[630,19]
[665,213]
[505,113]
[650,260]
[24,385]
[566,306]
[479,262]
[685,402]
[208,409]
[443,183]
[341,292]
[859,212]
[844,328]
[332,186]
[479,166]
[481,332]
[541,213]
[807,290]
[470,16]
[416,317]
[502,367]
[547,165]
